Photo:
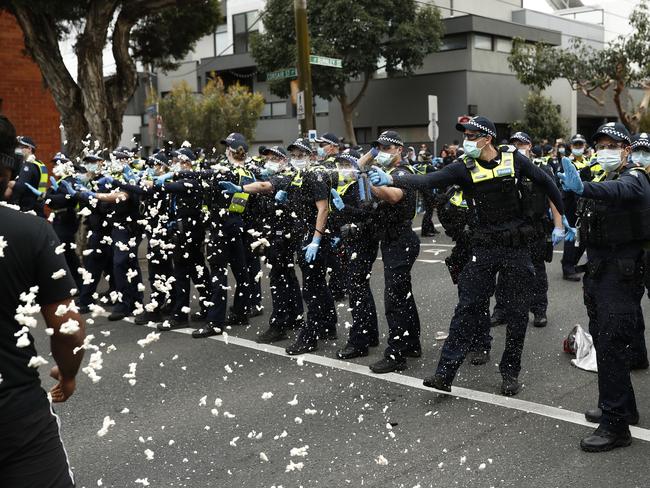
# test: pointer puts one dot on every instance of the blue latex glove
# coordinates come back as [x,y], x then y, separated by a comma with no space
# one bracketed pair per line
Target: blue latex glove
[379,177]
[311,249]
[337,201]
[86,195]
[33,190]
[229,187]
[162,178]
[570,231]
[557,236]
[105,180]
[335,242]
[570,178]
[374,151]
[281,196]
[54,184]
[68,188]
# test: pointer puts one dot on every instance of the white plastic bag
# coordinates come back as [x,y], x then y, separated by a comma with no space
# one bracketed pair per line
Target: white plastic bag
[585,351]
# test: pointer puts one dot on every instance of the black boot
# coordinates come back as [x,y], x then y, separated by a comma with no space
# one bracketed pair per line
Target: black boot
[388,365]
[208,330]
[177,322]
[115,316]
[604,440]
[235,319]
[498,318]
[437,382]
[540,320]
[351,352]
[146,317]
[301,346]
[271,335]
[595,415]
[510,386]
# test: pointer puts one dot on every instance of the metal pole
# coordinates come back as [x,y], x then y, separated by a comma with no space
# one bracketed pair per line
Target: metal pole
[304,67]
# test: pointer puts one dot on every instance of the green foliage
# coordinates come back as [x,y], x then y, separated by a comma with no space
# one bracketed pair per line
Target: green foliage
[542,120]
[365,34]
[644,122]
[207,118]
[622,64]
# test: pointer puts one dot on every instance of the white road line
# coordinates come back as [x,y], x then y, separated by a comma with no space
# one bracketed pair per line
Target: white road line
[452,245]
[411,382]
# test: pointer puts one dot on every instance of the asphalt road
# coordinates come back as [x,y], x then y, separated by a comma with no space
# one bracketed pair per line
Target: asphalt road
[222,413]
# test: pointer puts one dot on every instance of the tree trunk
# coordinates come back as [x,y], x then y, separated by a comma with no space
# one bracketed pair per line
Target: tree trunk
[347,108]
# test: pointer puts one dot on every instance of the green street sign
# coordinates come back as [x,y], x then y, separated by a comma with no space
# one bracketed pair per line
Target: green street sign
[323,61]
[281,74]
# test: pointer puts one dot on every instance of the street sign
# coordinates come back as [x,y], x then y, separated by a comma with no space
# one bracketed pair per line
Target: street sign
[324,61]
[300,105]
[311,135]
[281,74]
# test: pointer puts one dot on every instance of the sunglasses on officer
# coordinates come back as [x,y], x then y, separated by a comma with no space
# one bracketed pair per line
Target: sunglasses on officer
[472,136]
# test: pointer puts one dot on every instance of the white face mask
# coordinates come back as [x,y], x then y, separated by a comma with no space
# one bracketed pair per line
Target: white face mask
[299,164]
[176,167]
[523,151]
[609,159]
[272,167]
[471,148]
[384,158]
[578,151]
[641,158]
[91,167]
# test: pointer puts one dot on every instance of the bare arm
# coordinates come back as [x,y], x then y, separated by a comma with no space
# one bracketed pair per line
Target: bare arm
[389,194]
[321,219]
[62,346]
[258,187]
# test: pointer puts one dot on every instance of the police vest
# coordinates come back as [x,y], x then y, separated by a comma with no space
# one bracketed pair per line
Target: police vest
[240,199]
[494,197]
[43,180]
[534,201]
[411,170]
[600,226]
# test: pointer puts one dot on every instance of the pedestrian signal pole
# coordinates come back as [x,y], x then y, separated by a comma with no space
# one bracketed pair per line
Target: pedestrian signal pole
[304,99]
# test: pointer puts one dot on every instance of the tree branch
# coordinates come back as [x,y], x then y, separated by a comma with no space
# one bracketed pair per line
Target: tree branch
[362,92]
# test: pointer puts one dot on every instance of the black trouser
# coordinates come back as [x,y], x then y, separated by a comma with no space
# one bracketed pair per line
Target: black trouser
[476,285]
[67,235]
[161,269]
[252,257]
[126,268]
[286,295]
[226,247]
[338,276]
[612,295]
[399,255]
[189,264]
[98,260]
[32,454]
[429,204]
[321,313]
[539,285]
[362,254]
[572,253]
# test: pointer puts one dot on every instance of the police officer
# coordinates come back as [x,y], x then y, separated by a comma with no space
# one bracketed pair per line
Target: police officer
[400,247]
[536,208]
[574,251]
[32,172]
[286,295]
[306,194]
[328,147]
[188,233]
[351,224]
[613,285]
[490,180]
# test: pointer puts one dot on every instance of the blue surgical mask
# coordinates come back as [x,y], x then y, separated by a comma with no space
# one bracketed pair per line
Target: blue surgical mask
[92,167]
[83,178]
[561,150]
[151,172]
[321,152]
[471,148]
[578,151]
[384,158]
[609,159]
[641,158]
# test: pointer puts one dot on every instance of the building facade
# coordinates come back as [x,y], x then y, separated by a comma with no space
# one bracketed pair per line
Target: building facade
[469,75]
[24,97]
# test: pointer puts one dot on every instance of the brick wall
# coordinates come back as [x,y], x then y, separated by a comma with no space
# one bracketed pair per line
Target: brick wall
[24,98]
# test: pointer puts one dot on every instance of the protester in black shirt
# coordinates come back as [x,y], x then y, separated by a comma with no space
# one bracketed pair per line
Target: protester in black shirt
[31,452]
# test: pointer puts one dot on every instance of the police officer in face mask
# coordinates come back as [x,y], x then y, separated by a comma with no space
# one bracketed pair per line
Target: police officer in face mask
[490,179]
[640,150]
[327,150]
[32,172]
[613,284]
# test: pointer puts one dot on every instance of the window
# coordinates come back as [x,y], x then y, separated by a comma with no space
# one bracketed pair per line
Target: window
[453,42]
[363,135]
[321,106]
[503,45]
[483,42]
[242,25]
[222,42]
[274,110]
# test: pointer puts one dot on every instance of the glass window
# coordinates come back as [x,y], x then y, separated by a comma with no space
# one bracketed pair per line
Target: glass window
[453,42]
[483,42]
[503,45]
[266,111]
[321,105]
[222,39]
[363,135]
[279,109]
[243,25]
[239,23]
[251,21]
